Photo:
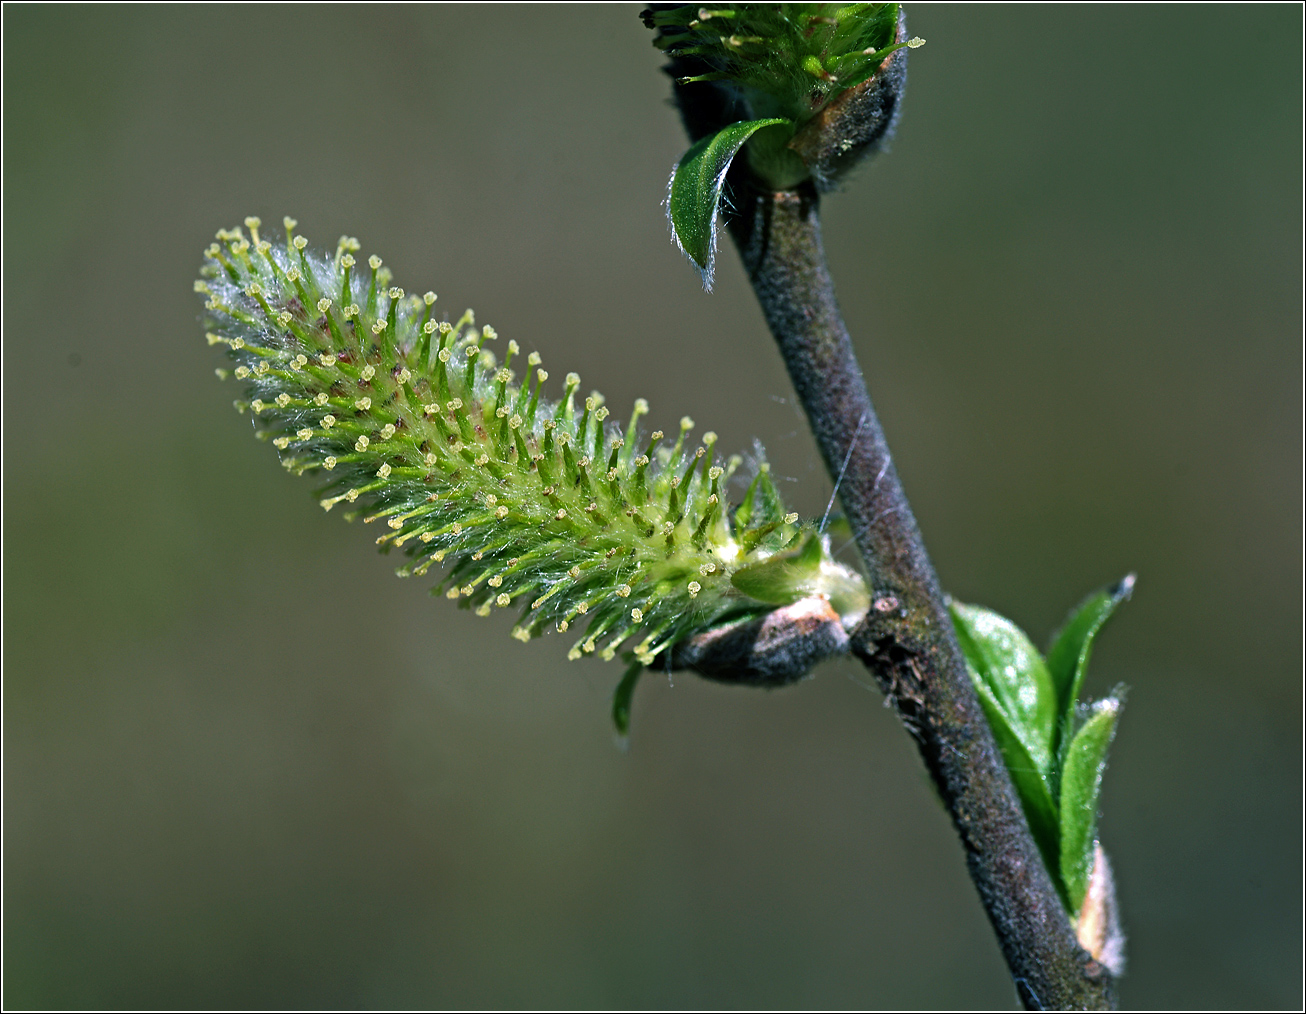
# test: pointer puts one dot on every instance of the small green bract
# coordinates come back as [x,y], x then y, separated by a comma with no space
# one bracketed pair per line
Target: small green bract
[545,506]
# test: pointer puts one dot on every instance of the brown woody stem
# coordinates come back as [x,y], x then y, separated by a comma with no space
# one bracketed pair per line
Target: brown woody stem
[907,641]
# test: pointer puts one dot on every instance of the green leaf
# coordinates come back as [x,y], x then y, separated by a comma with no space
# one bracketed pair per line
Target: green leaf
[695,190]
[1081,780]
[1031,783]
[1015,675]
[1068,657]
[1015,690]
[785,577]
[622,697]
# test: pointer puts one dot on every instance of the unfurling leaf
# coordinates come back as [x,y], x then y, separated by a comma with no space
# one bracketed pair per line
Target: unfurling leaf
[1068,657]
[1081,780]
[695,190]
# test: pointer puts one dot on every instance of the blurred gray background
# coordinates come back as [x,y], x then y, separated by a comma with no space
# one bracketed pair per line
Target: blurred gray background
[246,766]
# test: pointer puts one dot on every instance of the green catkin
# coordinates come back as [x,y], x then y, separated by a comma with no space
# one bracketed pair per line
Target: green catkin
[521,502]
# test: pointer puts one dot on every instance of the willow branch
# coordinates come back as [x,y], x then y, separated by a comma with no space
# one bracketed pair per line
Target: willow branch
[907,641]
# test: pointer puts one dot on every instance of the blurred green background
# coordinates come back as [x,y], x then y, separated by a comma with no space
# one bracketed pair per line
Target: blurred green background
[245,766]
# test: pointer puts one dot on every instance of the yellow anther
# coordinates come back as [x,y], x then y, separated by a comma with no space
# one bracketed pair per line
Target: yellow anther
[429,298]
[431,459]
[328,421]
[427,536]
[588,646]
[350,312]
[582,608]
[383,472]
[361,444]
[641,461]
[374,262]
[281,443]
[293,274]
[237,343]
[347,261]
[214,339]
[467,589]
[289,222]
[300,361]
[624,591]
[444,355]
[656,435]
[543,375]
[514,422]
[472,351]
[324,304]
[667,528]
[590,404]
[482,459]
[257,405]
[452,593]
[790,518]
[915,42]
[242,372]
[378,327]
[429,327]
[222,374]
[456,528]
[709,438]
[396,293]
[502,599]
[503,376]
[573,379]
[483,609]
[454,405]
[686,423]
[488,333]
[320,398]
[300,242]
[387,431]
[612,474]
[263,246]
[715,472]
[201,287]
[574,572]
[303,434]
[501,513]
[707,568]
[641,406]
[367,372]
[283,318]
[562,513]
[352,495]
[521,634]
[363,403]
[395,523]
[601,414]
[694,589]
[574,653]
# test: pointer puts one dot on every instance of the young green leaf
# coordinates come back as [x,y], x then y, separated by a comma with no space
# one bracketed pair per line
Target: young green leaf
[1030,780]
[622,697]
[1016,693]
[1014,673]
[695,190]
[1068,657]
[1081,780]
